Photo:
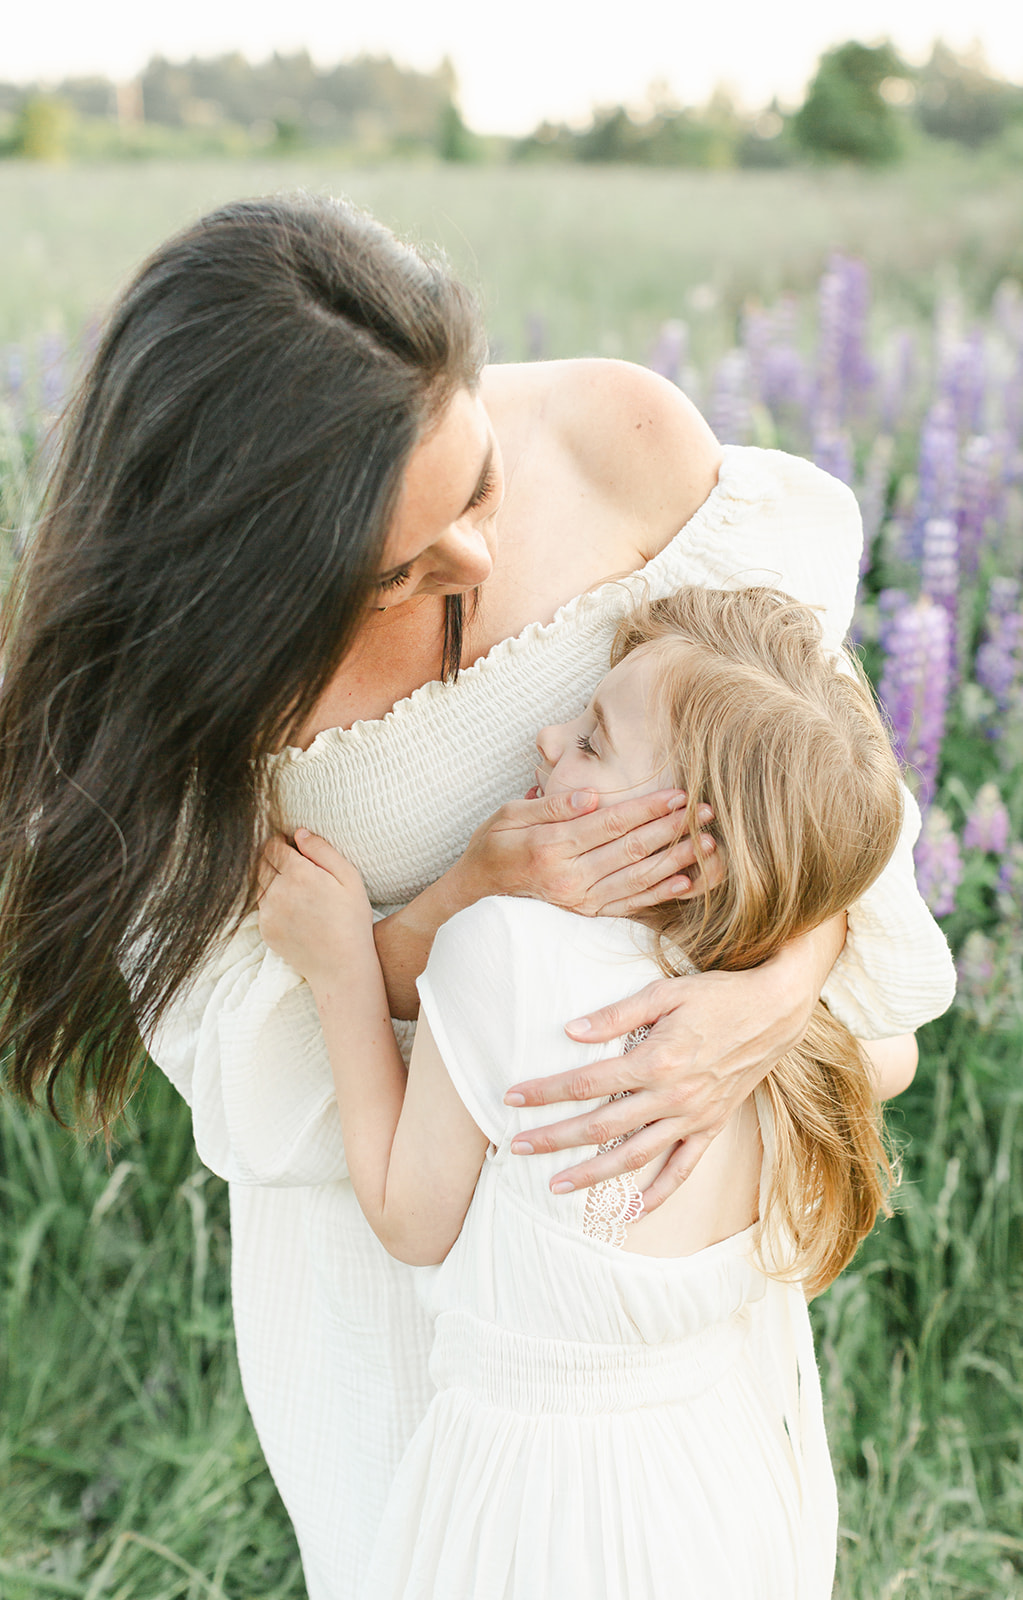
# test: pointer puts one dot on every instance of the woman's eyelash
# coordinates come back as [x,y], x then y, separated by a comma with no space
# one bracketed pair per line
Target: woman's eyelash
[484,491]
[582,740]
[396,578]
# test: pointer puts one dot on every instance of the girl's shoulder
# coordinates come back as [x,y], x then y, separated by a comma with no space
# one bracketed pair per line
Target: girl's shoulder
[519,932]
[505,976]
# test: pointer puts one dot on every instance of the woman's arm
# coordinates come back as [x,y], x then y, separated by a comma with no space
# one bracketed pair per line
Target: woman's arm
[893,1063]
[414,1152]
[243,1044]
[714,1037]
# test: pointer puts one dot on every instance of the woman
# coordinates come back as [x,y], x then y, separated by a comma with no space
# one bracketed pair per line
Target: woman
[282,473]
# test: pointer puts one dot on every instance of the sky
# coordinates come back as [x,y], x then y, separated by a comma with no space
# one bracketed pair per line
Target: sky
[516,64]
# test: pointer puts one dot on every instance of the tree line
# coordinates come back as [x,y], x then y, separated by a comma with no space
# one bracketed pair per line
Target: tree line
[864,104]
[229,105]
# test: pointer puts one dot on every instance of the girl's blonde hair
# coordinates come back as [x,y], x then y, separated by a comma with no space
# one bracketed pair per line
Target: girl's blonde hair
[785,743]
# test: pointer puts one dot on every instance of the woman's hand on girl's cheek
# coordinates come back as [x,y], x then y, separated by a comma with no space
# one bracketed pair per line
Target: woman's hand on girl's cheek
[713,1038]
[312,905]
[607,862]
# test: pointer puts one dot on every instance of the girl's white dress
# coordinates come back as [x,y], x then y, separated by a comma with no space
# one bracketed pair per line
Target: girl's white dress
[332,1340]
[607,1426]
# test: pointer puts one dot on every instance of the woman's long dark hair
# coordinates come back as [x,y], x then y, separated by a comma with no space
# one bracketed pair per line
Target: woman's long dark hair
[206,551]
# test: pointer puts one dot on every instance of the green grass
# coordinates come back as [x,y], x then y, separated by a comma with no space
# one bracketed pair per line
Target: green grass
[603,256]
[130,1468]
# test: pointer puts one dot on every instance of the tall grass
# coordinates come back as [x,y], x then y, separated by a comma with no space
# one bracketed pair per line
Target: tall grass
[129,1467]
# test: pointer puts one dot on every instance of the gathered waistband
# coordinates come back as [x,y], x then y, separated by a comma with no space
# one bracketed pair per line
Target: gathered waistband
[517,1372]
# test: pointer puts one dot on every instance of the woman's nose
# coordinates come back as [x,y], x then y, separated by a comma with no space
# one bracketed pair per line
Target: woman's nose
[463,558]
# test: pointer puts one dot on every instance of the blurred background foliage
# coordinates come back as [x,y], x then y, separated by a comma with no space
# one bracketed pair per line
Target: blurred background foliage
[864,105]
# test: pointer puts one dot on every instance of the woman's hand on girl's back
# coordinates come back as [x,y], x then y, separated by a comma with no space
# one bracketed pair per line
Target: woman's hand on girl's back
[312,905]
[713,1038]
[609,862]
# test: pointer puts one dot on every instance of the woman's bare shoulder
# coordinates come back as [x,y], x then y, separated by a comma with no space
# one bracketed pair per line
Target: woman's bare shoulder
[637,440]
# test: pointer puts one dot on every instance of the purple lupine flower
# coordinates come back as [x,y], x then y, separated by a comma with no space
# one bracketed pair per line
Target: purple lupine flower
[1012,400]
[844,370]
[939,573]
[977,988]
[975,968]
[938,472]
[756,338]
[730,413]
[832,450]
[53,371]
[15,371]
[977,469]
[899,382]
[889,603]
[963,379]
[785,382]
[1010,884]
[987,823]
[872,494]
[670,351]
[939,866]
[915,685]
[999,663]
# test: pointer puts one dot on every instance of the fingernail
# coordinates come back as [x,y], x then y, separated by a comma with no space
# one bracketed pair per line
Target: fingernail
[581,799]
[584,1025]
[677,803]
[302,833]
[560,1188]
[513,1099]
[680,885]
[707,841]
[522,1147]
[705,814]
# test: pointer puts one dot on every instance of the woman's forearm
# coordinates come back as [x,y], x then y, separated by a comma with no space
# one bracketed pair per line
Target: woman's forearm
[801,967]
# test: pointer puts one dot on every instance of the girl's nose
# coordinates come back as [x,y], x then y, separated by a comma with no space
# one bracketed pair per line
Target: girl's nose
[550,742]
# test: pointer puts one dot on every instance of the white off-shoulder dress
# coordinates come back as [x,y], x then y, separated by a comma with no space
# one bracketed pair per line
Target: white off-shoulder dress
[332,1340]
[606,1426]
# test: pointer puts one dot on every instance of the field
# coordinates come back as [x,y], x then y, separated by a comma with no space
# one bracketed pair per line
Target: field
[875,324]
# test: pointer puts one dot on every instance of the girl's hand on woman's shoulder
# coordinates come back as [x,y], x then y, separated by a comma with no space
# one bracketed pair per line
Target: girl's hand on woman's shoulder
[313,908]
[609,862]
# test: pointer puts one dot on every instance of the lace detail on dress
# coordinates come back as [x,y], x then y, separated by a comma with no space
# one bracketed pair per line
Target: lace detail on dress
[613,1204]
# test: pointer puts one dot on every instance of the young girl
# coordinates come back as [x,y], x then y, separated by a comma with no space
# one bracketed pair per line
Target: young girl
[627,1407]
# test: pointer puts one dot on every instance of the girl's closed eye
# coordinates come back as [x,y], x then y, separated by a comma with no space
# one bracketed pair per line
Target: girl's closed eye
[583,741]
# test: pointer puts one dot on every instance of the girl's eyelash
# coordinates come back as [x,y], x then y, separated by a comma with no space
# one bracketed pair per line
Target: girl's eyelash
[582,740]
[396,578]
[484,491]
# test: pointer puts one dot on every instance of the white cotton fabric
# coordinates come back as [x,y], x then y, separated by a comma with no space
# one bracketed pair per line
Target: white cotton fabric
[332,1341]
[607,1426]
